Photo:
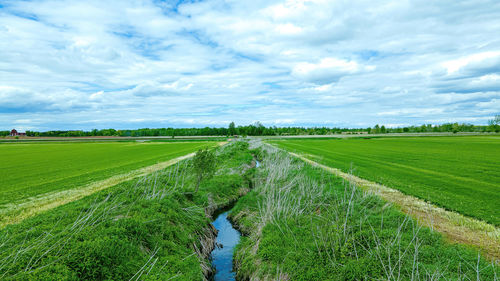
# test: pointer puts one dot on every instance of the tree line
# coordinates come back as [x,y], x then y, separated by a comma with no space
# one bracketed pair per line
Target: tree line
[258,129]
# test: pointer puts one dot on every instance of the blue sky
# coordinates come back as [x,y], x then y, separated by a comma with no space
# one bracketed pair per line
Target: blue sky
[130,64]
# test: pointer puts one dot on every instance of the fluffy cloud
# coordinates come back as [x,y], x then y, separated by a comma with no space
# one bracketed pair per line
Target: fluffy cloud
[328,70]
[85,64]
[475,64]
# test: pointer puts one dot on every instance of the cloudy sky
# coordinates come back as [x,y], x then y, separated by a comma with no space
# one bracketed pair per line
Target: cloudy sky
[130,64]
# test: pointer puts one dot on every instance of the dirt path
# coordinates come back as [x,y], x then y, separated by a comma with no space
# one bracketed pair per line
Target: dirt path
[16,212]
[456,227]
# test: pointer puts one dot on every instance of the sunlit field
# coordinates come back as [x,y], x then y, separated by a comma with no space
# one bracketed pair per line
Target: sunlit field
[33,169]
[459,173]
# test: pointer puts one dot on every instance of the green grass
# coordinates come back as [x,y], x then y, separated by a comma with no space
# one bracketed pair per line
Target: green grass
[33,169]
[461,174]
[302,223]
[143,229]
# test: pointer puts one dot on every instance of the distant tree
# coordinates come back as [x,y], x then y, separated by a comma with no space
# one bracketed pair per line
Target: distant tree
[232,129]
[496,120]
[494,124]
[383,130]
[258,129]
[204,165]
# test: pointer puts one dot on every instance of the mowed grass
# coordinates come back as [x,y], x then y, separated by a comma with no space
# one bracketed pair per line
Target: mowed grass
[461,174]
[28,170]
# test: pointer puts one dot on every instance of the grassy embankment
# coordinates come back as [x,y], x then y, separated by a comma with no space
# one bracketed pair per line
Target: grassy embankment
[301,223]
[146,229]
[458,173]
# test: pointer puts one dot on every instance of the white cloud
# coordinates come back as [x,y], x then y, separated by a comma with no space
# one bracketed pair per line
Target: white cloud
[328,70]
[324,88]
[288,29]
[491,106]
[474,61]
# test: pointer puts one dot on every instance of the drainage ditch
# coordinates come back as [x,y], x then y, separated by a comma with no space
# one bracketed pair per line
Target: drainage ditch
[227,238]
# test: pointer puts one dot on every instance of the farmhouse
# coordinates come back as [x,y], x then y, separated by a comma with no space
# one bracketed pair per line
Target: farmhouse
[15,133]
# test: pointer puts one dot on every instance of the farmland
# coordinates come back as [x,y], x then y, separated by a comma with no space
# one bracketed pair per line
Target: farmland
[298,222]
[30,170]
[303,223]
[458,173]
[142,229]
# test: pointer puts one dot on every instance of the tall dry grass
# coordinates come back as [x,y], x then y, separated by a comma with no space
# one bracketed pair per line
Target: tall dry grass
[342,226]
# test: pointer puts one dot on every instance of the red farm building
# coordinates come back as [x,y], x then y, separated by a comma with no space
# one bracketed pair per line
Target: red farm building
[15,133]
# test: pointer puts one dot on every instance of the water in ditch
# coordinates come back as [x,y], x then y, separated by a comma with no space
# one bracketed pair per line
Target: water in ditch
[222,255]
[227,239]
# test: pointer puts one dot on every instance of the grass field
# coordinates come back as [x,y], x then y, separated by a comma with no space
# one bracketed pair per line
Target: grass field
[459,173]
[28,170]
[143,229]
[300,222]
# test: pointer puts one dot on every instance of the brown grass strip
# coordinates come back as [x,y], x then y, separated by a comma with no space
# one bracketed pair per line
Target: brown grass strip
[455,227]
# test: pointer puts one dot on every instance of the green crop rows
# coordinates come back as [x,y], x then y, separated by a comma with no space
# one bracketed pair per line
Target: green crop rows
[143,229]
[33,169]
[298,222]
[302,223]
[459,173]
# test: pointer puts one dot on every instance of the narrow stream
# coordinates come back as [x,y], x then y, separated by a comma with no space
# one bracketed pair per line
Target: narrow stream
[222,255]
[227,239]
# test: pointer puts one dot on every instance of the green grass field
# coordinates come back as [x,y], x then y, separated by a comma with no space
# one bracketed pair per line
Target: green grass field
[461,174]
[143,229]
[300,222]
[33,169]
